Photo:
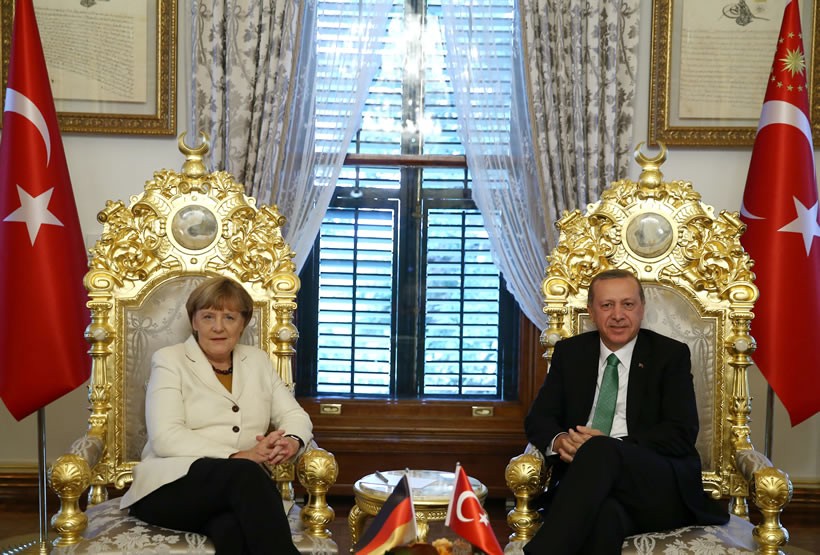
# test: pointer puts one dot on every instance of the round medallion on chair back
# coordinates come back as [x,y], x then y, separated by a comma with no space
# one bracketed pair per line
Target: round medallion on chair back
[194,227]
[649,235]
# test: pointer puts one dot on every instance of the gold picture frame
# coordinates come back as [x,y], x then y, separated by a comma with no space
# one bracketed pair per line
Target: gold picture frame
[112,63]
[720,105]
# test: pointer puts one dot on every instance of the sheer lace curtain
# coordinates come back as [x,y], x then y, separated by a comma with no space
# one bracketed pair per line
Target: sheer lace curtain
[491,103]
[548,130]
[281,97]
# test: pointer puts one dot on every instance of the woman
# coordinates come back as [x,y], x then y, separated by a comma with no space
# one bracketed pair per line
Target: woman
[209,407]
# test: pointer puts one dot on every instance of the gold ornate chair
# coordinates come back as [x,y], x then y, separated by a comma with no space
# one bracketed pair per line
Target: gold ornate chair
[699,288]
[183,227]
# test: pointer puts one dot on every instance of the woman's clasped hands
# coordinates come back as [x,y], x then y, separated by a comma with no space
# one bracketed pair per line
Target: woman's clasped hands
[273,448]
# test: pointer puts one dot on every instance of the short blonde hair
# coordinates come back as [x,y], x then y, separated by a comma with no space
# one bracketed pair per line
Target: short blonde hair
[220,293]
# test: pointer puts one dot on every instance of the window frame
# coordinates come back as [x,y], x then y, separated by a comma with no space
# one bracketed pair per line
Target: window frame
[409,335]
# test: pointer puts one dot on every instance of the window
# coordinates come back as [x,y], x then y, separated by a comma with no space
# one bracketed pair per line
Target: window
[400,297]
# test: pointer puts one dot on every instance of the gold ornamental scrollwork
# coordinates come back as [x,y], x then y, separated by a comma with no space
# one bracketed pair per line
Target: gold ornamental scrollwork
[707,256]
[587,254]
[711,257]
[130,247]
[254,247]
[169,184]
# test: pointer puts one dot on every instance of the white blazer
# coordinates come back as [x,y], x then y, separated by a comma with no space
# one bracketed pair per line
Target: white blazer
[189,414]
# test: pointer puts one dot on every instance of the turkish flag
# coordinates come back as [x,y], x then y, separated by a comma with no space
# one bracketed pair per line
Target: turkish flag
[467,518]
[42,256]
[780,209]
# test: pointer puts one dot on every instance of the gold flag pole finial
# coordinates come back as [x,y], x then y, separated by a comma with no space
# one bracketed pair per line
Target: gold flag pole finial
[193,165]
[651,175]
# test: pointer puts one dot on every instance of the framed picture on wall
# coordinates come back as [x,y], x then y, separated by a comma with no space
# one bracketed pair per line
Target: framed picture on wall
[112,63]
[710,65]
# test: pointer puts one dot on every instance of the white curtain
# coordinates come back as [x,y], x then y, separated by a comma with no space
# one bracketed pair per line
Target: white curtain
[282,97]
[546,131]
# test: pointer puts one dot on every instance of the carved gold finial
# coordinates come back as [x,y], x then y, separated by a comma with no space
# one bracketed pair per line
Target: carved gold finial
[193,165]
[651,175]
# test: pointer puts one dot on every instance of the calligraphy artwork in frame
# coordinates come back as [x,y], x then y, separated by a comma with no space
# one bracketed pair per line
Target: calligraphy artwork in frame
[710,64]
[112,63]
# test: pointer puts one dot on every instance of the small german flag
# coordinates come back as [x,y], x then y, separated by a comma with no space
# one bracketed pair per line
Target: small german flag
[394,526]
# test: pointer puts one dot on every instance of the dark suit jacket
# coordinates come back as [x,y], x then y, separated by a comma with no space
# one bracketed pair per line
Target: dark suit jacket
[661,412]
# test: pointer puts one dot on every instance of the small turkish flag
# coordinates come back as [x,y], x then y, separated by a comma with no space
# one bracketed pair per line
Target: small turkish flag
[42,256]
[467,518]
[780,209]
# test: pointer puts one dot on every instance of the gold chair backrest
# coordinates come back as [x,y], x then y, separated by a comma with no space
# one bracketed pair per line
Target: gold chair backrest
[698,283]
[184,227]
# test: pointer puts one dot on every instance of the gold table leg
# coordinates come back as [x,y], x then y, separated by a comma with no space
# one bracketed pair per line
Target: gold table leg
[422,528]
[355,521]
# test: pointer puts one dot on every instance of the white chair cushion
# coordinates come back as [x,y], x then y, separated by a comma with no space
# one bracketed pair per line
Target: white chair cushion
[733,538]
[113,531]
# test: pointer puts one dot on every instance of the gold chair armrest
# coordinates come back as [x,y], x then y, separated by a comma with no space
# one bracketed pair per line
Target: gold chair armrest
[69,477]
[89,447]
[317,471]
[527,476]
[771,490]
[749,461]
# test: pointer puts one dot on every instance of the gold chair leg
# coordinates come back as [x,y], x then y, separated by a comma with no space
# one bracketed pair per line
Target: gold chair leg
[355,522]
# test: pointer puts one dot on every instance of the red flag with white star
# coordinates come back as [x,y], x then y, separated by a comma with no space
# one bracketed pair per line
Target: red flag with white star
[780,209]
[42,256]
[467,518]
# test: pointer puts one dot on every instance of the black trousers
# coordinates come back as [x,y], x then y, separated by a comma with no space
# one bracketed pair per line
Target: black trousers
[232,501]
[611,490]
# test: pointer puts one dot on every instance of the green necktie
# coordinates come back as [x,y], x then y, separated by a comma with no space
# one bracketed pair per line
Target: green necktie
[605,409]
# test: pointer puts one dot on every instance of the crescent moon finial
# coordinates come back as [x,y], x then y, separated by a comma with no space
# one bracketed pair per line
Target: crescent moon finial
[193,165]
[651,175]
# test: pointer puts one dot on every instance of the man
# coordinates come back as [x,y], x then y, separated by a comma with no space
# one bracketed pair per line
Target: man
[622,438]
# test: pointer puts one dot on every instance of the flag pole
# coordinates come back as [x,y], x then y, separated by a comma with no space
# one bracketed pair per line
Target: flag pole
[769,431]
[43,482]
[37,546]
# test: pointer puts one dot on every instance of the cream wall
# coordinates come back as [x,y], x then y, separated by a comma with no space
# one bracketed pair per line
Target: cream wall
[114,167]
